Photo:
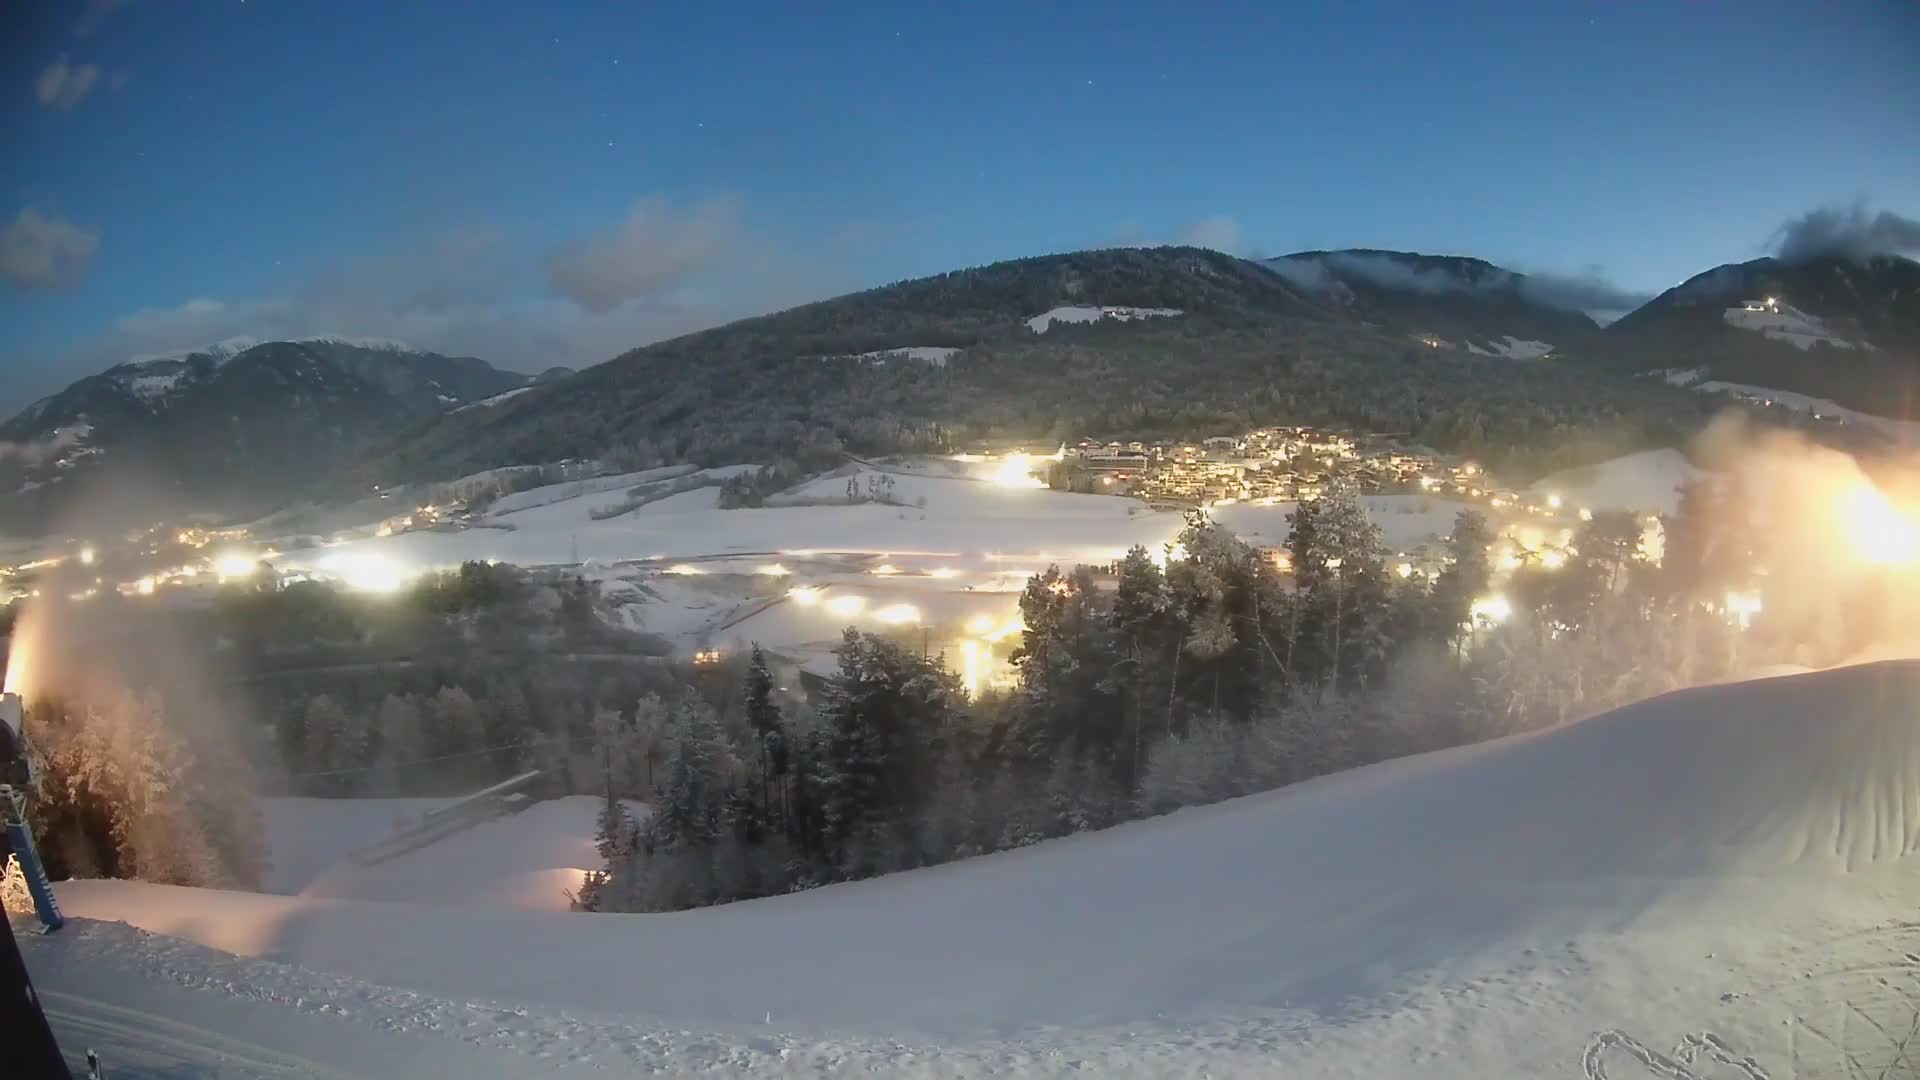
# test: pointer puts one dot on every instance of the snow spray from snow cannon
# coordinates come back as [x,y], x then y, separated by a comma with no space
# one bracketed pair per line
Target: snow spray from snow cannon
[16,782]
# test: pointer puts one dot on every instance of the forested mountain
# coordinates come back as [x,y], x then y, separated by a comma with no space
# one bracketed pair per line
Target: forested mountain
[1443,301]
[231,426]
[1137,342]
[1840,327]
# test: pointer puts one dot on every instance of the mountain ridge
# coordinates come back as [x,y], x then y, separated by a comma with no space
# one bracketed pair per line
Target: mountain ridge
[230,424]
[1834,326]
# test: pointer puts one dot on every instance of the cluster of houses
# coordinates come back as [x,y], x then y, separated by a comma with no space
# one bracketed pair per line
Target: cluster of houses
[1269,463]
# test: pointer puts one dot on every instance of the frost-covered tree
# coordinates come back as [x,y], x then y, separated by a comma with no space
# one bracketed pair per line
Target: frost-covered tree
[1463,579]
[619,752]
[883,720]
[1066,700]
[769,735]
[454,721]
[171,808]
[1340,574]
[690,807]
[1144,634]
[402,738]
[614,831]
[336,739]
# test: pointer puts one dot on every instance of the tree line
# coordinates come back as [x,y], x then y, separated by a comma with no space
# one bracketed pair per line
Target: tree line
[1204,673]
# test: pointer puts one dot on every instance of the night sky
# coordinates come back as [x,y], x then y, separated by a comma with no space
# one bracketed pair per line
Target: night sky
[554,183]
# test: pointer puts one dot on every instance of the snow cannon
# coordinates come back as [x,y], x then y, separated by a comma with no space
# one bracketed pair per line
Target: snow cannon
[16,768]
[16,784]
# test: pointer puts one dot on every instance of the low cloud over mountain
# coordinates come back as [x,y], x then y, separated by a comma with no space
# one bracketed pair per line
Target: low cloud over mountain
[1847,230]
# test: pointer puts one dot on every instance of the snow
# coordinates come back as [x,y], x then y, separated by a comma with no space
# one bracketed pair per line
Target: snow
[1788,324]
[378,343]
[1647,482]
[1514,348]
[573,489]
[1406,521]
[1734,860]
[221,351]
[527,861]
[495,399]
[1041,323]
[936,355]
[682,568]
[307,836]
[153,387]
[1818,406]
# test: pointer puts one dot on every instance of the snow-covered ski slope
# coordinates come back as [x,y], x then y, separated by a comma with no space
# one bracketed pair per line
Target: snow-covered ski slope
[1736,860]
[528,860]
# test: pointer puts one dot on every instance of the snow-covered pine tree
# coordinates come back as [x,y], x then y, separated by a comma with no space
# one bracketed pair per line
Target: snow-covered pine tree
[613,829]
[1463,580]
[693,790]
[887,712]
[1143,634]
[770,738]
[1339,566]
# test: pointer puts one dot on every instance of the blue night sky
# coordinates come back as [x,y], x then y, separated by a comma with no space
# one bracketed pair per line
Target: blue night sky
[554,183]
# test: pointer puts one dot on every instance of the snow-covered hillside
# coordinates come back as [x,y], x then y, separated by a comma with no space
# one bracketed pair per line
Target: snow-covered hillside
[1783,322]
[1044,321]
[935,355]
[1513,348]
[1818,407]
[1647,482]
[1733,863]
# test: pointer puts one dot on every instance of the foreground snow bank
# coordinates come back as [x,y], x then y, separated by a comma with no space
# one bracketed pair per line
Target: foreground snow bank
[1709,834]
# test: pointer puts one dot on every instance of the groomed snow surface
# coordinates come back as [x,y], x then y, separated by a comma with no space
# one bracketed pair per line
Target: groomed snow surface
[1732,863]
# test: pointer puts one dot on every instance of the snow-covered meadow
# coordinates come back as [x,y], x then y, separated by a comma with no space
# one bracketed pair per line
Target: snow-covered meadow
[948,546]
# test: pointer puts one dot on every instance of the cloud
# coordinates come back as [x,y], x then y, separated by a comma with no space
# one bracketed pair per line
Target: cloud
[1846,230]
[465,293]
[1588,292]
[657,246]
[39,251]
[1305,273]
[94,15]
[63,85]
[1219,232]
[41,451]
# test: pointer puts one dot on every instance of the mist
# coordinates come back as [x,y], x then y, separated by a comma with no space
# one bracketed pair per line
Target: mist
[145,745]
[1587,292]
[1846,230]
[1835,540]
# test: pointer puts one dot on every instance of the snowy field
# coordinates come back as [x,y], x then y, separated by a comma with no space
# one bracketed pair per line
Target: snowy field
[1733,864]
[1647,482]
[527,861]
[306,837]
[948,550]
[1788,324]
